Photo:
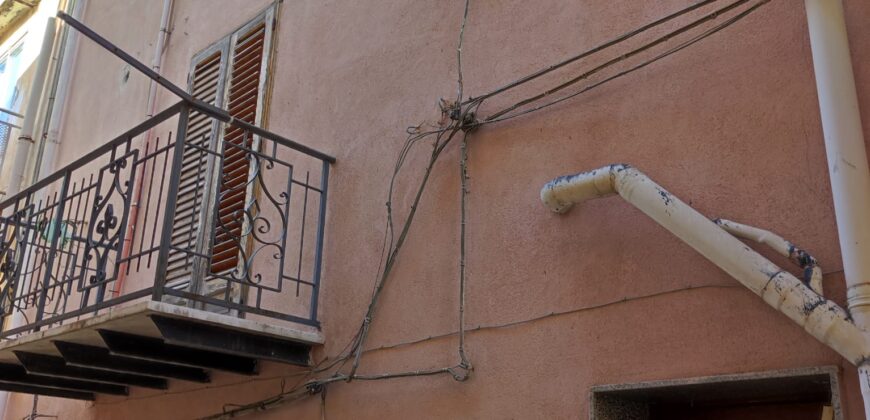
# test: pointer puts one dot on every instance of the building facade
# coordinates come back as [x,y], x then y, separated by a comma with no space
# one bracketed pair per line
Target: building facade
[563,316]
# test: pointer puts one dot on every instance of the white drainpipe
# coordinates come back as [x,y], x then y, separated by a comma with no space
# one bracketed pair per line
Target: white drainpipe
[812,271]
[844,144]
[25,140]
[847,157]
[820,317]
[67,57]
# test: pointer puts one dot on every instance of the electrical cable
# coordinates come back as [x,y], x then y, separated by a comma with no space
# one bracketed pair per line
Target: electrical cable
[462,116]
[495,116]
[591,51]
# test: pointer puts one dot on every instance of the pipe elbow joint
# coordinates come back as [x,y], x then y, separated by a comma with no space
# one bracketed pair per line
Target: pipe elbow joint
[560,194]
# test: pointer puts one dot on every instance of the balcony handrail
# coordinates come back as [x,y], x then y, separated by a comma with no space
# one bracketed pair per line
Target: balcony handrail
[93,154]
[32,224]
[42,258]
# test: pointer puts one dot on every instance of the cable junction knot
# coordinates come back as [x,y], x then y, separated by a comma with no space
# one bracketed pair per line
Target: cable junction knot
[461,372]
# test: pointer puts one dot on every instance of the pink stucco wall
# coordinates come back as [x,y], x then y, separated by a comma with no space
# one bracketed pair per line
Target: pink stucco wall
[730,125]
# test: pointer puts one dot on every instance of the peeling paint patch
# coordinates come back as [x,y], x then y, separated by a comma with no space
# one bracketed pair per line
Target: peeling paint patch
[666,196]
[809,307]
[849,164]
[770,277]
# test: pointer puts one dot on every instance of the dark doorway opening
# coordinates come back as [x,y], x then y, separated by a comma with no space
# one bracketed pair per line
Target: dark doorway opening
[810,394]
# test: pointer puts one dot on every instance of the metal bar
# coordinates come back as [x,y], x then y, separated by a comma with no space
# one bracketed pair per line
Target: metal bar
[33,261]
[12,113]
[171,200]
[204,107]
[200,217]
[159,201]
[136,226]
[74,258]
[16,374]
[10,124]
[154,349]
[138,65]
[85,296]
[287,201]
[302,232]
[187,251]
[100,358]
[244,308]
[49,392]
[44,364]
[93,154]
[318,255]
[304,185]
[276,138]
[52,252]
[20,210]
[228,341]
[295,280]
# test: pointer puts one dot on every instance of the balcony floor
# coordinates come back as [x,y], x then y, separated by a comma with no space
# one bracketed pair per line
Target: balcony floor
[147,344]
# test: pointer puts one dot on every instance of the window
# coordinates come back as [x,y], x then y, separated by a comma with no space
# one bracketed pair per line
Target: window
[231,74]
[11,69]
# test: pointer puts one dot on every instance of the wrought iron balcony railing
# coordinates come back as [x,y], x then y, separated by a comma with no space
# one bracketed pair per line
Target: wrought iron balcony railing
[225,223]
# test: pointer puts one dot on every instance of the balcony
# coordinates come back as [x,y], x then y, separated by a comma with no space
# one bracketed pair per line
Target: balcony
[190,243]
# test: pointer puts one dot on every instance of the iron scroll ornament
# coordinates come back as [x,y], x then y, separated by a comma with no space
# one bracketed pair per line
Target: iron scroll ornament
[107,228]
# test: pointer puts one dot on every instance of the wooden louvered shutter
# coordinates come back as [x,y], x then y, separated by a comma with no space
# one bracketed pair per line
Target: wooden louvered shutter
[206,82]
[231,74]
[244,99]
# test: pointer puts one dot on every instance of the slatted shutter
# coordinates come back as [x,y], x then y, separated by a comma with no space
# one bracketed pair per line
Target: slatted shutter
[206,81]
[230,74]
[243,103]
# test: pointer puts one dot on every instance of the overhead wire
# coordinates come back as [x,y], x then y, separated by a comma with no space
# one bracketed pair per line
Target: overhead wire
[500,115]
[664,38]
[463,119]
[584,54]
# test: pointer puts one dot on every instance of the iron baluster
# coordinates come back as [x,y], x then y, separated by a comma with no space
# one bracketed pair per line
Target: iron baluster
[171,200]
[55,232]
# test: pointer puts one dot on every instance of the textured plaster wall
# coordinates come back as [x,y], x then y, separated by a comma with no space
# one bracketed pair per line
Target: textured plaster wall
[730,125]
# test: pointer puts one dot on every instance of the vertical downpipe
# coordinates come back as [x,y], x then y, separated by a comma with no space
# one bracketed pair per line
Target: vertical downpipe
[61,88]
[847,157]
